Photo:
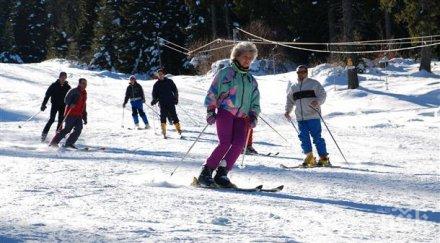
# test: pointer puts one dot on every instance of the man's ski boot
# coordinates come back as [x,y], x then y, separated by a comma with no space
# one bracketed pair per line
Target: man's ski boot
[221,177]
[205,177]
[54,145]
[250,150]
[43,137]
[147,126]
[163,126]
[71,146]
[309,161]
[178,129]
[324,161]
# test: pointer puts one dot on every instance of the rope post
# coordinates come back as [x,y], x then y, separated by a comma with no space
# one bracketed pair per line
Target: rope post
[160,51]
[235,36]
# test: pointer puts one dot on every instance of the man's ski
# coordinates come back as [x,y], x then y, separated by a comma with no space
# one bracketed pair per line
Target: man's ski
[84,149]
[300,166]
[275,189]
[259,188]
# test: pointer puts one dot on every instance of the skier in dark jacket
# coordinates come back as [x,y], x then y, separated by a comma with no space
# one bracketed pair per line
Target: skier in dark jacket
[75,113]
[165,92]
[135,94]
[56,92]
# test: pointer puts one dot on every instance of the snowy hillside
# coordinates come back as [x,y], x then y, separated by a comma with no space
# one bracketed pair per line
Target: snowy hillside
[389,191]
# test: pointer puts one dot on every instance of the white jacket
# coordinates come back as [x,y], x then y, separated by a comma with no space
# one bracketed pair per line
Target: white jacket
[301,94]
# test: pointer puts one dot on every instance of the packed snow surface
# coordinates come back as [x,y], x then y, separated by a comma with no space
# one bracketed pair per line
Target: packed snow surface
[388,191]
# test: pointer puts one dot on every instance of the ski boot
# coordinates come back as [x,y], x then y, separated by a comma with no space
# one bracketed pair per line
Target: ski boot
[178,129]
[71,146]
[43,137]
[136,126]
[221,177]
[163,126]
[205,177]
[309,161]
[324,161]
[250,150]
[147,126]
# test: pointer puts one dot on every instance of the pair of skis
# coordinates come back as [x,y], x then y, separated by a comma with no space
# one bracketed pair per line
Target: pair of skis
[258,188]
[300,166]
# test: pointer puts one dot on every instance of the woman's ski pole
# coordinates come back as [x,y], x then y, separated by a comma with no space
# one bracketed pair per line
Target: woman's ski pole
[245,147]
[187,152]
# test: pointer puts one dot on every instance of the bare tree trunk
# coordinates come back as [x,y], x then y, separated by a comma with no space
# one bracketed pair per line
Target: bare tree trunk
[347,13]
[425,61]
[331,25]
[227,19]
[388,34]
[213,20]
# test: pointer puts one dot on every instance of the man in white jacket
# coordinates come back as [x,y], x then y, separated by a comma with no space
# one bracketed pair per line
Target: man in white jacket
[307,95]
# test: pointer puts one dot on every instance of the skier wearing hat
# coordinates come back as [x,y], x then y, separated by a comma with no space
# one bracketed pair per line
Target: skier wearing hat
[233,103]
[56,92]
[307,95]
[165,92]
[135,94]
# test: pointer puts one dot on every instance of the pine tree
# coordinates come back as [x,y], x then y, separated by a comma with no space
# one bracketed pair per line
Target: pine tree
[84,35]
[422,18]
[137,41]
[63,26]
[30,26]
[173,19]
[106,32]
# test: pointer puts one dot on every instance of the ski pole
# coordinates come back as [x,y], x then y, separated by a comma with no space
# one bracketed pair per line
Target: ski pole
[155,112]
[187,114]
[334,140]
[279,134]
[122,121]
[293,124]
[30,118]
[61,127]
[245,147]
[64,120]
[187,152]
[154,123]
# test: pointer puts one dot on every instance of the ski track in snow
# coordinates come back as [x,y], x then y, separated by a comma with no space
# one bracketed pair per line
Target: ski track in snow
[389,191]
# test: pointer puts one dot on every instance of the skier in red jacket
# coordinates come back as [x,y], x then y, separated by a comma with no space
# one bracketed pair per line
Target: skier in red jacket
[75,114]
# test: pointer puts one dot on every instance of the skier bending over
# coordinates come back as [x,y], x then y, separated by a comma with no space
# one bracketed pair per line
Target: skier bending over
[305,94]
[233,103]
[75,115]
[135,94]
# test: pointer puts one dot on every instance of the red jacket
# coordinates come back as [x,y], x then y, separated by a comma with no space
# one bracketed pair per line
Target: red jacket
[76,98]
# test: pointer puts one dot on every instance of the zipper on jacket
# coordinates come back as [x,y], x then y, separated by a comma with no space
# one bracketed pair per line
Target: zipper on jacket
[242,94]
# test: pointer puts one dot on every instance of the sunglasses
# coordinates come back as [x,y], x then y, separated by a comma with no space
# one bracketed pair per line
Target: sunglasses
[301,72]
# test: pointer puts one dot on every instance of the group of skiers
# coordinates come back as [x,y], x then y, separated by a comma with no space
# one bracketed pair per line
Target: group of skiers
[70,104]
[232,103]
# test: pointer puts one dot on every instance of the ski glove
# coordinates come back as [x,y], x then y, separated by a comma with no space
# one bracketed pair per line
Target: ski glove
[210,117]
[85,121]
[253,121]
[43,107]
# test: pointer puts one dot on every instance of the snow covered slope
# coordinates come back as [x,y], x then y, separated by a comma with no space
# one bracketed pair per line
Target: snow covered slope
[389,191]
